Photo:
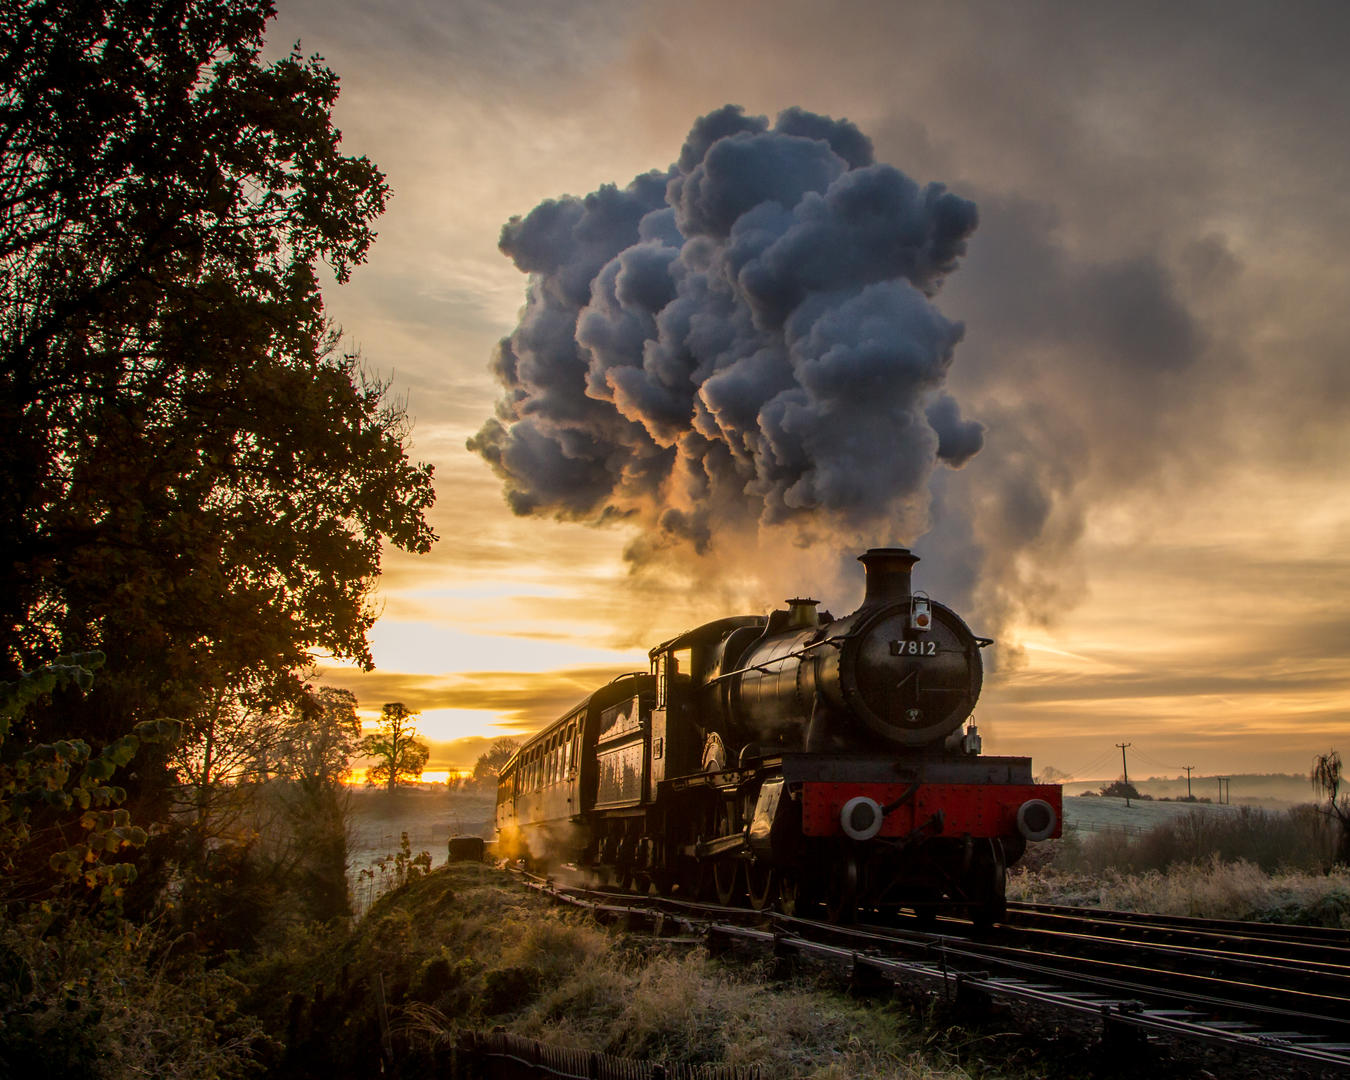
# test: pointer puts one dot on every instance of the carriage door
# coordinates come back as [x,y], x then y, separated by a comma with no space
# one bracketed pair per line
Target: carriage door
[671,731]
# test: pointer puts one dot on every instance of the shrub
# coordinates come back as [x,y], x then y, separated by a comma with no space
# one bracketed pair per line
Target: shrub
[1273,841]
[114,1001]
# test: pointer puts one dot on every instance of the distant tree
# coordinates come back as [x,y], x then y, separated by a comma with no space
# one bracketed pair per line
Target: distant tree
[1122,789]
[489,765]
[197,481]
[318,738]
[262,814]
[1327,779]
[233,746]
[398,753]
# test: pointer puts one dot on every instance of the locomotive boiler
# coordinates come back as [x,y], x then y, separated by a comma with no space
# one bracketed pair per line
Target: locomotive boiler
[792,760]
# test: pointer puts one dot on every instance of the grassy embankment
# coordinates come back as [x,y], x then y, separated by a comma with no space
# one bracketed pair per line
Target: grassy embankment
[466,947]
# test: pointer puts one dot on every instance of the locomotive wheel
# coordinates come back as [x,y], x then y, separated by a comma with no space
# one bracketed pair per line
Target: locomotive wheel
[663,882]
[988,887]
[695,881]
[727,880]
[925,908]
[841,891]
[761,882]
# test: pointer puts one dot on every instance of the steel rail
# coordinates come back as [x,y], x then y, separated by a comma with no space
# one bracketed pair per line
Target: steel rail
[1317,935]
[1242,995]
[1114,1001]
[961,966]
[1293,953]
[1298,968]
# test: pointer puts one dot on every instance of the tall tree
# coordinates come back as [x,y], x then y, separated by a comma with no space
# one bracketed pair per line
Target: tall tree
[398,752]
[1327,779]
[198,481]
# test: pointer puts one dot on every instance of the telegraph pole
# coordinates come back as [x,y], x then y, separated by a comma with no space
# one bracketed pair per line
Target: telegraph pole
[1188,769]
[1125,769]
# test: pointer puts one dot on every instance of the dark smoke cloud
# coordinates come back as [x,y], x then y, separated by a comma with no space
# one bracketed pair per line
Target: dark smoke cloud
[746,340]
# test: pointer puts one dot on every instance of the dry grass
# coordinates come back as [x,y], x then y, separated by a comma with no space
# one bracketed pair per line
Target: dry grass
[1241,864]
[503,959]
[1211,889]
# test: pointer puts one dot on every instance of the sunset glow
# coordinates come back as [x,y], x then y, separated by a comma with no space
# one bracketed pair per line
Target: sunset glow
[1157,527]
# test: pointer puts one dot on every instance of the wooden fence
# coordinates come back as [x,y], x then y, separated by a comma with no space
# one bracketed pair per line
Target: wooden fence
[1101,826]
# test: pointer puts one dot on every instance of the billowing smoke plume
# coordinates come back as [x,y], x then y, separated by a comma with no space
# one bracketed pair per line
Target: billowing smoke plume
[744,342]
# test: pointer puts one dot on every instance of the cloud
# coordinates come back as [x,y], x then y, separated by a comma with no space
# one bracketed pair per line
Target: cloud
[743,341]
[518,699]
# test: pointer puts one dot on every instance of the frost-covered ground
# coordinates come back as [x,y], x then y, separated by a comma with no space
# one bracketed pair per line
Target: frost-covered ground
[378,819]
[1089,813]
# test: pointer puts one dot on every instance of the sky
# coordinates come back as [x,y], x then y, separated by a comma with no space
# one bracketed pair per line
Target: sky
[1122,452]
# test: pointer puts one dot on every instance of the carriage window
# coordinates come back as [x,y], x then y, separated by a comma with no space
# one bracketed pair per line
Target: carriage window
[567,751]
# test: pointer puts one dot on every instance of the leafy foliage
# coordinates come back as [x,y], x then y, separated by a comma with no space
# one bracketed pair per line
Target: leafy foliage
[114,1002]
[309,741]
[398,752]
[57,799]
[198,481]
[489,765]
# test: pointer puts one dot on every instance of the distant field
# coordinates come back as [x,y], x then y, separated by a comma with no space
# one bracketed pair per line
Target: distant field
[430,818]
[1092,813]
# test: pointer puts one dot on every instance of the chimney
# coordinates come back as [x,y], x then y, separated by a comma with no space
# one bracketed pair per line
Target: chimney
[888,572]
[802,613]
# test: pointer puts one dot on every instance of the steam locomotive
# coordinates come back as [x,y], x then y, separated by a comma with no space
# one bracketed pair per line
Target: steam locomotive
[794,761]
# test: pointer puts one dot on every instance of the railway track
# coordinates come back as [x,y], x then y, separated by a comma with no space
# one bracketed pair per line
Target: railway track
[1280,991]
